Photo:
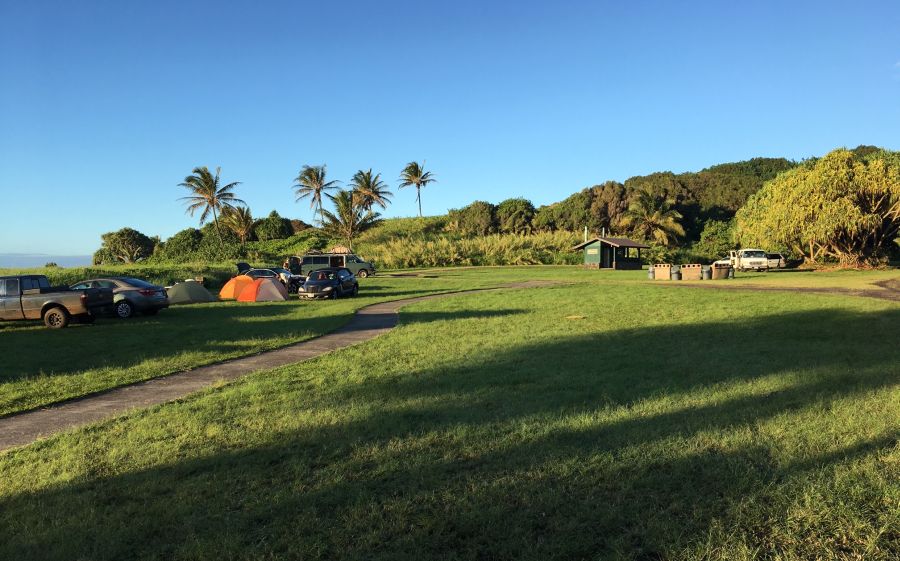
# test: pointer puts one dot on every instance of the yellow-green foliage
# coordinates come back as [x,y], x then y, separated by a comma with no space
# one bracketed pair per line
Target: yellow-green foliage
[844,207]
[547,248]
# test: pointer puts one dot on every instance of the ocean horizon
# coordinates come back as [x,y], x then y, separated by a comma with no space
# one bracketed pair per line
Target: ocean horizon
[30,260]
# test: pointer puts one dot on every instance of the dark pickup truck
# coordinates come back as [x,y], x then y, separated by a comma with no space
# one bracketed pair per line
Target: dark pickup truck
[30,297]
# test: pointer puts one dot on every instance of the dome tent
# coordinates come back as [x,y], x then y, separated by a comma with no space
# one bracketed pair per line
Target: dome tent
[189,292]
[263,290]
[233,288]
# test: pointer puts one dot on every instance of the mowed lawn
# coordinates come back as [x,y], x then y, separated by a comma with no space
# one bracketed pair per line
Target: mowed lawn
[597,420]
[42,366]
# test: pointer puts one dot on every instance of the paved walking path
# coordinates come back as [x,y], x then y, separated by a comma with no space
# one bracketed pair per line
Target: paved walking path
[369,322]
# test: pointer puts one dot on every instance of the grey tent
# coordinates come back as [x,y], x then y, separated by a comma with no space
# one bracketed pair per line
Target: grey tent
[189,292]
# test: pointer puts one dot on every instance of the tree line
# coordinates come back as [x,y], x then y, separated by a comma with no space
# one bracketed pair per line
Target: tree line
[843,207]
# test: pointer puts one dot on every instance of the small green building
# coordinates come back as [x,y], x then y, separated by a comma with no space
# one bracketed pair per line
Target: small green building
[619,254]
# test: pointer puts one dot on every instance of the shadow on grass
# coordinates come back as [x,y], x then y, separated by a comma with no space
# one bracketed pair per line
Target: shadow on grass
[111,343]
[504,460]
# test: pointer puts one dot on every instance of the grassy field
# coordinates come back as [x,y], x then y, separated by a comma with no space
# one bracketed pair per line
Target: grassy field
[611,418]
[109,353]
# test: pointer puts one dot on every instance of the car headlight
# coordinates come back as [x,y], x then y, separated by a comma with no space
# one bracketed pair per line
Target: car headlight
[301,289]
[327,288]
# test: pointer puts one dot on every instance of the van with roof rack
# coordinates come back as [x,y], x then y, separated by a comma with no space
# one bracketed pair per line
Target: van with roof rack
[302,265]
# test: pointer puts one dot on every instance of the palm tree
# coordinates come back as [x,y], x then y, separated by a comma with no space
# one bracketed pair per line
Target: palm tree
[240,221]
[651,217]
[206,194]
[369,190]
[311,183]
[348,219]
[415,174]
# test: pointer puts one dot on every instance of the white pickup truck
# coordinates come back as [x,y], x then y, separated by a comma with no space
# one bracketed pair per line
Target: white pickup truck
[744,259]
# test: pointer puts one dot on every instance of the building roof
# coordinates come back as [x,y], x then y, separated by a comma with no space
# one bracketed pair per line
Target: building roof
[615,242]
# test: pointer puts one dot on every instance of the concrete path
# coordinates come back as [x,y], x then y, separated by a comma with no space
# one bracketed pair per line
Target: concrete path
[369,322]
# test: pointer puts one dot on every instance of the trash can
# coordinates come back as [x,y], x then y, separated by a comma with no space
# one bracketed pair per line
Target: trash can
[650,272]
[720,271]
[706,273]
[676,272]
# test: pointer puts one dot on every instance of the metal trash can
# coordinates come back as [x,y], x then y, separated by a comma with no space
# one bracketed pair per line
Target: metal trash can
[676,272]
[650,273]
[721,271]
[706,273]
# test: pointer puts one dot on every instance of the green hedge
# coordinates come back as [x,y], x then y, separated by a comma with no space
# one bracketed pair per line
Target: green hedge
[166,275]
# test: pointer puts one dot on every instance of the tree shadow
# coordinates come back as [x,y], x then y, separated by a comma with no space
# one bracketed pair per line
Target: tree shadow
[517,458]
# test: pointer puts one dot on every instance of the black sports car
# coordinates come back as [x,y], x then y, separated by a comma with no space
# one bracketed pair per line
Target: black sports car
[329,283]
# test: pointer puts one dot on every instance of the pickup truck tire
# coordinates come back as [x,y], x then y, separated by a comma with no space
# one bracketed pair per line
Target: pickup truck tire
[56,318]
[362,273]
[124,309]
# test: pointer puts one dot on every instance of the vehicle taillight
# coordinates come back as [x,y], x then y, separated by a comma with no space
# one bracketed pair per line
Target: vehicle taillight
[83,297]
[148,292]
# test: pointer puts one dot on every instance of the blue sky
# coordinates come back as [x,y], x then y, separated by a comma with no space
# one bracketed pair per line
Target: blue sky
[106,106]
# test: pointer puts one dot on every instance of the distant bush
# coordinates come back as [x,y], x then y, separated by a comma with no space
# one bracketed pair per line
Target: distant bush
[215,275]
[514,216]
[478,219]
[124,246]
[273,227]
[50,265]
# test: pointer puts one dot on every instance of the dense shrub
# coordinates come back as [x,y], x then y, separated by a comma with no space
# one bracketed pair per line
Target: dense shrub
[476,219]
[843,207]
[716,240]
[273,227]
[124,246]
[514,216]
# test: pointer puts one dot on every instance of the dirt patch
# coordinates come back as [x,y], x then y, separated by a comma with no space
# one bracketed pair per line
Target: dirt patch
[887,290]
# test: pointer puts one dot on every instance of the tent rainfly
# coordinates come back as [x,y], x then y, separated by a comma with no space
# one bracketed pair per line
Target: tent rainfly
[233,288]
[189,292]
[612,253]
[263,290]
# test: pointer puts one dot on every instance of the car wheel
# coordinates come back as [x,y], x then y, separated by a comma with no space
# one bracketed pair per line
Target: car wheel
[362,273]
[124,309]
[355,291]
[56,318]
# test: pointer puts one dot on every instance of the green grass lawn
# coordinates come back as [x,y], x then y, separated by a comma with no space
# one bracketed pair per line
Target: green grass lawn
[49,366]
[606,419]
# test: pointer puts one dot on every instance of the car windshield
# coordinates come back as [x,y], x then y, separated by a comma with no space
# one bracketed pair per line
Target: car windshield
[138,283]
[754,254]
[322,275]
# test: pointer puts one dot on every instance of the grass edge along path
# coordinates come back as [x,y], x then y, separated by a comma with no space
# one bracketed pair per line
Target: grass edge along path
[25,427]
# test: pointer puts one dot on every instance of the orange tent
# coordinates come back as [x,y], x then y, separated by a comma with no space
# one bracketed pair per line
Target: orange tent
[233,288]
[263,290]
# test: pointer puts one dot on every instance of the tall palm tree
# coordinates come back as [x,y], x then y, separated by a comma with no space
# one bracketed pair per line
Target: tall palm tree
[415,174]
[652,217]
[348,219]
[240,221]
[207,194]
[311,183]
[369,190]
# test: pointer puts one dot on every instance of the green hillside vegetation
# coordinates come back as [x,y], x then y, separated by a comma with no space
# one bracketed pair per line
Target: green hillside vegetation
[686,217]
